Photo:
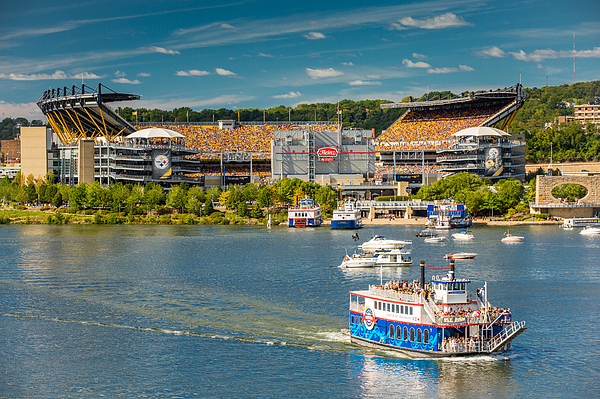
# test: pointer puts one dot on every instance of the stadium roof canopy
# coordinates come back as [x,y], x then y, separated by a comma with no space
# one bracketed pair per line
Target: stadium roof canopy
[81,112]
[507,94]
[480,131]
[155,132]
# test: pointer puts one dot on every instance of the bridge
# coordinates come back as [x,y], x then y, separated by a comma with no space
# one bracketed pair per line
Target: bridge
[588,206]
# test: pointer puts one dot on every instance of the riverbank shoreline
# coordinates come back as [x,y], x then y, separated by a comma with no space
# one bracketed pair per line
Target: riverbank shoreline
[476,222]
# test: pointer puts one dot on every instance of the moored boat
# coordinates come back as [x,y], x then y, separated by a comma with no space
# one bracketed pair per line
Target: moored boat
[463,235]
[438,319]
[435,239]
[380,242]
[347,217]
[306,214]
[382,258]
[510,238]
[360,260]
[427,233]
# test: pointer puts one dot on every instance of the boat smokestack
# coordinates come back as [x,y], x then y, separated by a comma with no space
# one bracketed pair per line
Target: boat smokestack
[422,273]
[451,272]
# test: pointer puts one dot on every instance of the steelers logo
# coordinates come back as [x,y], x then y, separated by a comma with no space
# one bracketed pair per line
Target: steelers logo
[161,161]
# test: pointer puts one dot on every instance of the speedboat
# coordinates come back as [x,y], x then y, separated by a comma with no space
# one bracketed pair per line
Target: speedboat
[436,239]
[380,242]
[358,260]
[590,230]
[463,235]
[461,255]
[510,238]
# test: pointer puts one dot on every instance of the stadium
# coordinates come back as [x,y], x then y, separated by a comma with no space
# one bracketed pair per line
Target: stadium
[88,141]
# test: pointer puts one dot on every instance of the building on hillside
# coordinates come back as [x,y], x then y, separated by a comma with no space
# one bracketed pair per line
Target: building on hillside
[587,113]
[324,157]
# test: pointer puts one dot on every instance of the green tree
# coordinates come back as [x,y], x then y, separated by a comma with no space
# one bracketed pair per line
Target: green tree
[177,198]
[192,205]
[57,200]
[77,196]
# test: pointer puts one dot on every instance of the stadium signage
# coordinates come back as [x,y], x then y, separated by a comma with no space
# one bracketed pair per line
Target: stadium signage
[327,153]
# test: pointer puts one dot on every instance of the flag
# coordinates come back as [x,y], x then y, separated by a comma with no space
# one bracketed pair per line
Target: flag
[367,109]
[134,113]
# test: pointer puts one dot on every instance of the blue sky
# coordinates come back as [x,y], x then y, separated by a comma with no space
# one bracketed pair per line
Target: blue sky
[260,54]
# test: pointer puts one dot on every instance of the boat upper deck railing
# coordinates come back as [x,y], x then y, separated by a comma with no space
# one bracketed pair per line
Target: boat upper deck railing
[392,294]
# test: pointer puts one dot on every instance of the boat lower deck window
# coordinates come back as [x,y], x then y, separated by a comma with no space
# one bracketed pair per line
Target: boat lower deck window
[392,331]
[418,335]
[398,333]
[405,333]
[412,334]
[426,336]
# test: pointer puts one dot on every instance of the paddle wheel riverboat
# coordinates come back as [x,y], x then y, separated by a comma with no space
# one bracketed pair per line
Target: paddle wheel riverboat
[442,319]
[306,214]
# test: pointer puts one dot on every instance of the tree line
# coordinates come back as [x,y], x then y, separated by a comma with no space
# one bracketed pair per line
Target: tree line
[248,201]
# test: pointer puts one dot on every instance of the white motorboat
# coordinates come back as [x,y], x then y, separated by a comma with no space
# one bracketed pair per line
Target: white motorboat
[590,230]
[461,255]
[359,261]
[510,238]
[392,258]
[463,235]
[382,258]
[436,239]
[380,242]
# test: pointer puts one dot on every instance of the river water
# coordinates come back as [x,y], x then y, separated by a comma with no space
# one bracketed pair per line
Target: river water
[223,311]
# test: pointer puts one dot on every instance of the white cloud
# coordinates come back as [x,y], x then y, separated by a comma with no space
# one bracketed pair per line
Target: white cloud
[448,20]
[419,64]
[224,72]
[347,64]
[192,72]
[363,83]
[126,81]
[314,35]
[491,52]
[322,73]
[291,94]
[373,76]
[227,26]
[541,55]
[29,111]
[266,55]
[120,74]
[143,74]
[162,50]
[419,56]
[57,75]
[464,68]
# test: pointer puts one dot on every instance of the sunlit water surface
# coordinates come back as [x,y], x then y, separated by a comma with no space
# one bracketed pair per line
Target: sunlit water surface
[210,311]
